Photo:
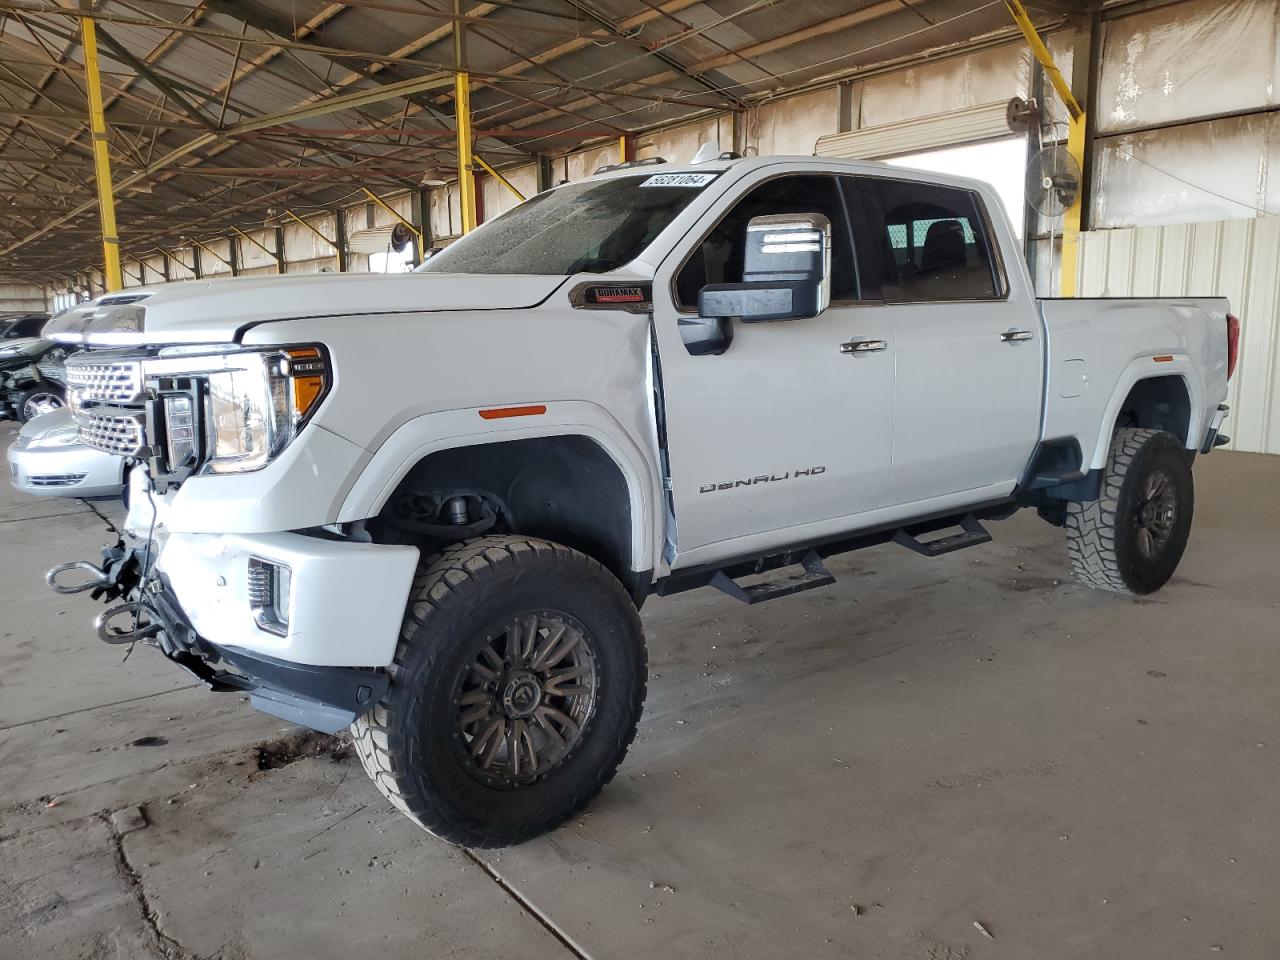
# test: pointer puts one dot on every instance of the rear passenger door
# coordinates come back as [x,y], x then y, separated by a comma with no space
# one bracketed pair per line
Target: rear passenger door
[967,394]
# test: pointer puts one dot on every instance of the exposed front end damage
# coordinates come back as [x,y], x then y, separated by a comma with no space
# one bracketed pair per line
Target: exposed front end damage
[144,608]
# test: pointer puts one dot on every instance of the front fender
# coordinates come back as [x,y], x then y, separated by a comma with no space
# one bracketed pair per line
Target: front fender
[434,432]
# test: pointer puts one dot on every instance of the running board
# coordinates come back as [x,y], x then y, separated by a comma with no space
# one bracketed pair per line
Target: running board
[972,534]
[815,575]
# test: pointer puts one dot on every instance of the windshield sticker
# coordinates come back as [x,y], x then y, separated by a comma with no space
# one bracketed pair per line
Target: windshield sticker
[679,180]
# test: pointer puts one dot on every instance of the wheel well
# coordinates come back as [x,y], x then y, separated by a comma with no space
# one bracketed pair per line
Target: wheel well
[1160,403]
[566,489]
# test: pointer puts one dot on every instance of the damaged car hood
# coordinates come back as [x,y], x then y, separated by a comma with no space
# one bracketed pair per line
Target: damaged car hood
[217,311]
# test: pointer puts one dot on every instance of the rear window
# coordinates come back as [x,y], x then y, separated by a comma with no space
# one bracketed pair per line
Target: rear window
[923,242]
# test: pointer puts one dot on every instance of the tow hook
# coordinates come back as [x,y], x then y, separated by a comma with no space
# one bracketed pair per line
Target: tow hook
[135,632]
[100,577]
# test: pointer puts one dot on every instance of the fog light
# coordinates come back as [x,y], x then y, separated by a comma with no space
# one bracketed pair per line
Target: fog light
[270,586]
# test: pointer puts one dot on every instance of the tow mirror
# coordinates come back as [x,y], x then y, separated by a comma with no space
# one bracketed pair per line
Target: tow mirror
[786,272]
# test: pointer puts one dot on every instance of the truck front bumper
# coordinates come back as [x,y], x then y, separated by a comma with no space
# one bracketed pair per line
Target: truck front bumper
[313,651]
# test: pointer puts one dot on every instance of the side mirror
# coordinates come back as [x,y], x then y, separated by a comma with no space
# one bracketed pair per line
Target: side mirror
[786,274]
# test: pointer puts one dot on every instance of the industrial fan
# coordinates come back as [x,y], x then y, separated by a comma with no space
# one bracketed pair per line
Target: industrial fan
[1053,181]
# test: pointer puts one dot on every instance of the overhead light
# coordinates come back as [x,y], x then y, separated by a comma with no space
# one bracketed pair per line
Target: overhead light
[428,180]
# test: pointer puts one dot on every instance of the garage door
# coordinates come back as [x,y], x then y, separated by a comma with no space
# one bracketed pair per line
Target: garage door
[985,122]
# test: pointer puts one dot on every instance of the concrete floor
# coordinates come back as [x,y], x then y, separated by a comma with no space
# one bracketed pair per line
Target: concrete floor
[869,770]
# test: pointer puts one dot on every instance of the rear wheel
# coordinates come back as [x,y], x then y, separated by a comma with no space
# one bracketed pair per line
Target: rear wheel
[1132,537]
[41,398]
[515,691]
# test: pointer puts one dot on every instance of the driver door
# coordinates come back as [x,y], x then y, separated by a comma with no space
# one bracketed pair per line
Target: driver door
[783,436]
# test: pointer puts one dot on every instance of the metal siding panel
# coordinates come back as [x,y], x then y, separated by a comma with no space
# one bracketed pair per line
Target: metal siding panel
[1235,259]
[1186,61]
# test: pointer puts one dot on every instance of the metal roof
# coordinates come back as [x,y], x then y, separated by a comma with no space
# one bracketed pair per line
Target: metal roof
[187,83]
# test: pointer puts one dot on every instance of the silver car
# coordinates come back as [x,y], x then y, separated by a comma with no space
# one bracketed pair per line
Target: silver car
[47,459]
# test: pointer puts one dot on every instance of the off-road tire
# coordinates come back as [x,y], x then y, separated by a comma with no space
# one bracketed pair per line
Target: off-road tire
[20,402]
[1102,535]
[406,742]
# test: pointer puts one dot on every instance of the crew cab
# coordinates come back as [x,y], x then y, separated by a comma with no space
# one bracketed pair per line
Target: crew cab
[429,506]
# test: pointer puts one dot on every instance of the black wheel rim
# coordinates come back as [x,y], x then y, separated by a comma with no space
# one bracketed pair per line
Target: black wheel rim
[522,704]
[40,403]
[1156,514]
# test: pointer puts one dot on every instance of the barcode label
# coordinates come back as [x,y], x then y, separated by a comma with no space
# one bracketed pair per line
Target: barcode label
[679,180]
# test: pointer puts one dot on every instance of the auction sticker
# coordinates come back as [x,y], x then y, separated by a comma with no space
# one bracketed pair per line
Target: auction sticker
[679,180]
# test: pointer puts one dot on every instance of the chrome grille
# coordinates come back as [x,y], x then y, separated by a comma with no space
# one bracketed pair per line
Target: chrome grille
[56,479]
[105,382]
[121,436]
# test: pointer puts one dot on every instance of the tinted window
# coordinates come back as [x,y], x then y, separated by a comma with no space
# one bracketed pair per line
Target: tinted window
[578,228]
[30,327]
[719,258]
[922,242]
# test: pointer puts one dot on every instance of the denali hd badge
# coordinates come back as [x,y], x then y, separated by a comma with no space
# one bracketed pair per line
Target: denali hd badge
[763,478]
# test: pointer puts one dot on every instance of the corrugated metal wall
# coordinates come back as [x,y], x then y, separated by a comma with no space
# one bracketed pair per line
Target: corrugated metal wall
[1237,259]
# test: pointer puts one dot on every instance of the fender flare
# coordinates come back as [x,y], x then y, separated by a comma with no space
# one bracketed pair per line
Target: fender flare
[1143,368]
[431,433]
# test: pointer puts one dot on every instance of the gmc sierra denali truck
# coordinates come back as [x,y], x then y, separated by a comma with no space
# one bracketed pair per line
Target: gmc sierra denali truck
[429,506]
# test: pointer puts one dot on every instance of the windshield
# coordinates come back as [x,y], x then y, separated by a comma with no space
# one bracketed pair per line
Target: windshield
[588,227]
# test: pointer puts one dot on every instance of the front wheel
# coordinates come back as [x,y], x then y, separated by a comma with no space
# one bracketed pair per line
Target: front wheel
[515,691]
[1132,537]
[41,398]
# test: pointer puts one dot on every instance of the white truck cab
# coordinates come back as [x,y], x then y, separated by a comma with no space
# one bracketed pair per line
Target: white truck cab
[429,506]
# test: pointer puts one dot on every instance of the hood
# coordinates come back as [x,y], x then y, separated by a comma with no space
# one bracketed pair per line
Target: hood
[212,311]
[56,424]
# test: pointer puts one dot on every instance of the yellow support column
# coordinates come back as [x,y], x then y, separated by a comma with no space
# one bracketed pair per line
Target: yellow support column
[462,114]
[1071,217]
[101,160]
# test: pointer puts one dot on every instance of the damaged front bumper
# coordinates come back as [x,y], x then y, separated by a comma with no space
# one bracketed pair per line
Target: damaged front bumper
[147,611]
[310,647]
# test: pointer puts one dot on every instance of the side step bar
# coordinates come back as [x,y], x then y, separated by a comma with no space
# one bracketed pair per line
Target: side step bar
[972,534]
[815,575]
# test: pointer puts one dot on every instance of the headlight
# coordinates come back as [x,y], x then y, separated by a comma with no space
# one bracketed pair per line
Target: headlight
[256,409]
[254,403]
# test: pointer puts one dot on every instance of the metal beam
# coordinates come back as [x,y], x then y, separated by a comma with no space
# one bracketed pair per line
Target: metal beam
[101,160]
[391,210]
[293,216]
[1042,54]
[499,177]
[331,105]
[462,121]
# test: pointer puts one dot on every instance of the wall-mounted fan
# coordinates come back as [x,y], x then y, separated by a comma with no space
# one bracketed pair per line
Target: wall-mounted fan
[401,237]
[1053,181]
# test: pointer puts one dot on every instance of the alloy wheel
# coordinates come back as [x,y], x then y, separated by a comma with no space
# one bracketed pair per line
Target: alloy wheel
[1156,513]
[522,704]
[41,403]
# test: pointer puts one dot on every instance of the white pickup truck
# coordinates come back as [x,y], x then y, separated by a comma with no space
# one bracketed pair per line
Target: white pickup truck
[430,506]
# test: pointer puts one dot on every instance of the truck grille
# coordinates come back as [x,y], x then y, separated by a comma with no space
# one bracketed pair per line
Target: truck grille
[105,382]
[121,436]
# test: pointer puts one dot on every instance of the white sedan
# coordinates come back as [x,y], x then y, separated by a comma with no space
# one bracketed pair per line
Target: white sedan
[47,459]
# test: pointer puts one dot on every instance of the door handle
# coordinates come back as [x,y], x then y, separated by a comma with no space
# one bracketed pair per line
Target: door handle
[864,346]
[1015,336]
